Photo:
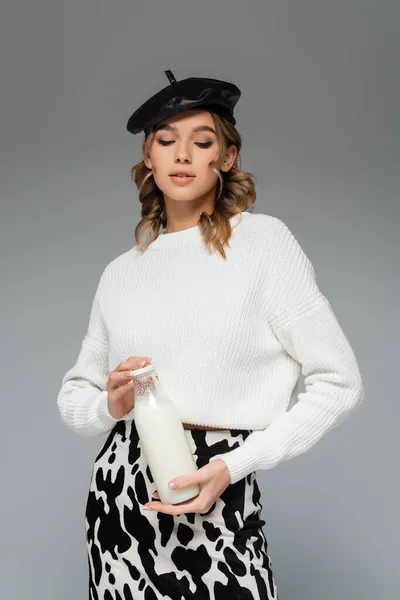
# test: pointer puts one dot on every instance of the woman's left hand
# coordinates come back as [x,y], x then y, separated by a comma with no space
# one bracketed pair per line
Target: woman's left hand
[213,480]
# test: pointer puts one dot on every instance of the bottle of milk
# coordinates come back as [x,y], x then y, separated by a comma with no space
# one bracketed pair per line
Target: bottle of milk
[162,436]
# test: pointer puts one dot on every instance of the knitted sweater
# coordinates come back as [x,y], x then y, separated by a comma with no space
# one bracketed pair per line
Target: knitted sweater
[227,338]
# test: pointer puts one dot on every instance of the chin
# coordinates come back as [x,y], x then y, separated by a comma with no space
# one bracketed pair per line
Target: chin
[181,192]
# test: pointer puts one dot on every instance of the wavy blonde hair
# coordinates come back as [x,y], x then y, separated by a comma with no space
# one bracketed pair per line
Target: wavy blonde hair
[236,194]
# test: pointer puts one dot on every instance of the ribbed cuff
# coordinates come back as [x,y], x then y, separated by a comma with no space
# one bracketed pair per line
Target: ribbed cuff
[100,409]
[236,470]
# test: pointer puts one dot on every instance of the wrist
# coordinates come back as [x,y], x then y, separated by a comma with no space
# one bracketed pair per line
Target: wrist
[224,468]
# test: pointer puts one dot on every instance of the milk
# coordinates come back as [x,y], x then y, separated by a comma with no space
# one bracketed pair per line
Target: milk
[162,437]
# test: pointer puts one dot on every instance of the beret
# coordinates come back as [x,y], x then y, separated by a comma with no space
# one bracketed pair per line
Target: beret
[209,94]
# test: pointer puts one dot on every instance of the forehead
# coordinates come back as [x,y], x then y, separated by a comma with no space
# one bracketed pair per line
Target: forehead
[199,120]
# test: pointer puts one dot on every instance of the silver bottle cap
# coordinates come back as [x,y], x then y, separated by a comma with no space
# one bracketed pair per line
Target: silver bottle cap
[145,369]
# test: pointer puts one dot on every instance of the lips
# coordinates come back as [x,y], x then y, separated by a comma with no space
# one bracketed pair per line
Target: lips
[181,173]
[181,180]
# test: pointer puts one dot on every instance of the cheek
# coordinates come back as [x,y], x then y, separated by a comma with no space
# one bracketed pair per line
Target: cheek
[207,177]
[161,168]
[161,157]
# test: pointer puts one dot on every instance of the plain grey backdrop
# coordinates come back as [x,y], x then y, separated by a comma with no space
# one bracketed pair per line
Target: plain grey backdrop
[319,117]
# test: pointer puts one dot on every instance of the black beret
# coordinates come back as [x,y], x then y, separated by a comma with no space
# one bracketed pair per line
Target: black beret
[194,92]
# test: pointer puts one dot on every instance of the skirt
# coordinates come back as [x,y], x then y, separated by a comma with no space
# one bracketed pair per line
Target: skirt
[137,554]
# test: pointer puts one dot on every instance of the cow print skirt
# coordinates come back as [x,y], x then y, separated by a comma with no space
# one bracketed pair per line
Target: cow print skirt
[136,554]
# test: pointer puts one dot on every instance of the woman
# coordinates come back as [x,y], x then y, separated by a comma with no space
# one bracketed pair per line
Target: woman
[226,305]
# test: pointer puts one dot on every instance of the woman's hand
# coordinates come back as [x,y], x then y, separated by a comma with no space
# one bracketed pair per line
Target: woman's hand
[213,479]
[121,398]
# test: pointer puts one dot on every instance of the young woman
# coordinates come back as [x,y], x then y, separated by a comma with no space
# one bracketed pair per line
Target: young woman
[226,305]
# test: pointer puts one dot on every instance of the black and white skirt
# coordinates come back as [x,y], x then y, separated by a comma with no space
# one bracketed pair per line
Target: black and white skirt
[137,554]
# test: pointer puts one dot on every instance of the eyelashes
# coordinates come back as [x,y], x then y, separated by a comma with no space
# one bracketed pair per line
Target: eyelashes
[199,144]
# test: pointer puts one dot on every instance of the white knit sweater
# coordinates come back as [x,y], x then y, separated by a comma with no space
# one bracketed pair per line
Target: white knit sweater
[228,339]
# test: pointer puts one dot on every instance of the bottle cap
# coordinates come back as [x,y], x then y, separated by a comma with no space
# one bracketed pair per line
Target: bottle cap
[146,369]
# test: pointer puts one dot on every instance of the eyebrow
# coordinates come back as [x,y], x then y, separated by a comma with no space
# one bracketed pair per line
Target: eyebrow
[195,129]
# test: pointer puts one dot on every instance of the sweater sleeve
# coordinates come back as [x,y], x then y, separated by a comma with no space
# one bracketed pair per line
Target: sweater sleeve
[303,321]
[82,399]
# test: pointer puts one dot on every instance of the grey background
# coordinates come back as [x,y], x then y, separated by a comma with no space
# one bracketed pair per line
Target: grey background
[320,126]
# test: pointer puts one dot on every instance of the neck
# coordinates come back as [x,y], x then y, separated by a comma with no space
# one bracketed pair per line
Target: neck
[188,236]
[181,217]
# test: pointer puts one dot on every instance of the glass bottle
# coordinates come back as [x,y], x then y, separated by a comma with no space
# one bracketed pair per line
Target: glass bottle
[162,436]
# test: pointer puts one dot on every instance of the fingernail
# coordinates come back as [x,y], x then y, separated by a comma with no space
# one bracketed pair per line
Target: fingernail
[172,485]
[146,508]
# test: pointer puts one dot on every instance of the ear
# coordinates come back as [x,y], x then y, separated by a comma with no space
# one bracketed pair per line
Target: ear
[230,158]
[146,159]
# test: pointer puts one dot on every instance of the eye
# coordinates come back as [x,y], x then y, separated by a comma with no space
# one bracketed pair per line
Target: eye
[200,144]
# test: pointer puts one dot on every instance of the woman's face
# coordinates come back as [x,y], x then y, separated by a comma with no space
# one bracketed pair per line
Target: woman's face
[188,142]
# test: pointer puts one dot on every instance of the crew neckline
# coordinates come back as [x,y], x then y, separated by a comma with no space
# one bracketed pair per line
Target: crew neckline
[188,236]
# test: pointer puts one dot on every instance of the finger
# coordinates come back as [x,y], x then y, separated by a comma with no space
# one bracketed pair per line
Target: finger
[171,509]
[122,377]
[118,379]
[132,363]
[123,372]
[177,509]
[156,495]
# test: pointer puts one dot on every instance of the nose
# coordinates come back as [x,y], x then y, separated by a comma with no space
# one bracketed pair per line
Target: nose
[182,154]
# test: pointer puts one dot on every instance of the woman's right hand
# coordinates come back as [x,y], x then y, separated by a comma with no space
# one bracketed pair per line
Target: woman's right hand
[121,397]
